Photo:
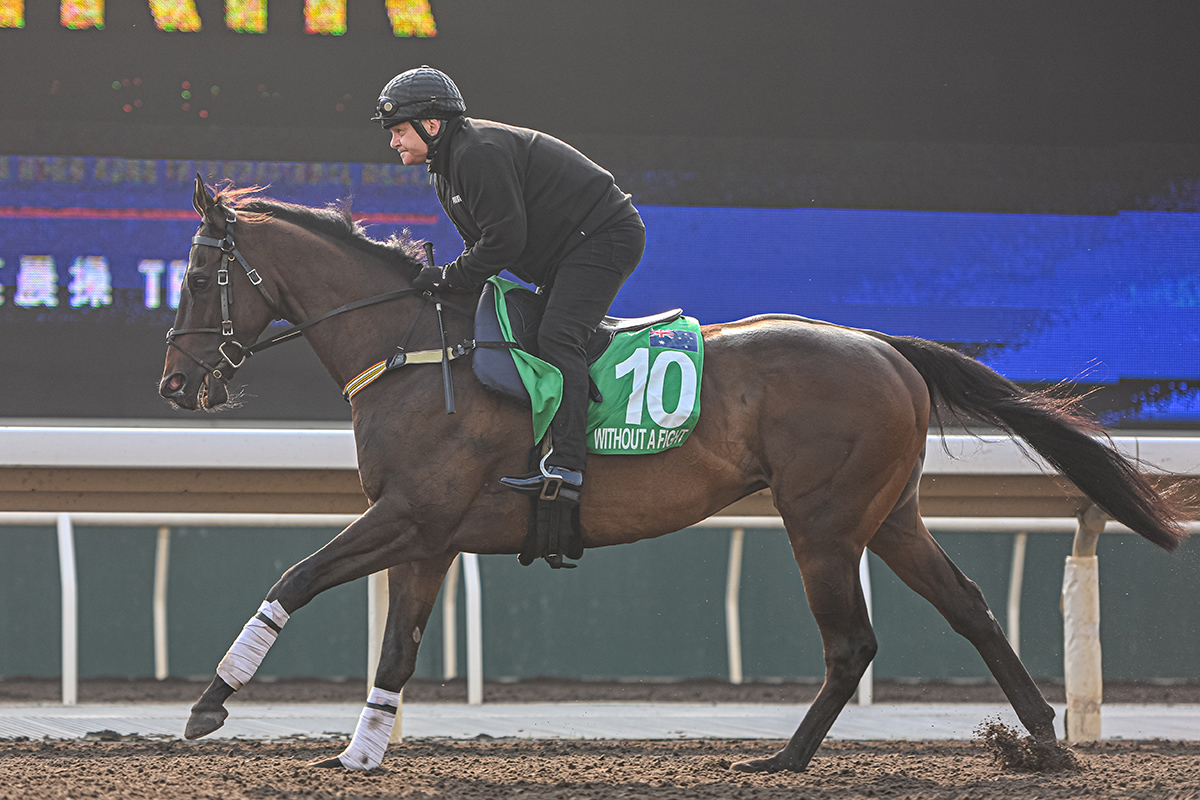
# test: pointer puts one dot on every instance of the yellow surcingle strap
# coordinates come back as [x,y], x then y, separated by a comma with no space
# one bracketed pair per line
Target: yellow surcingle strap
[368,375]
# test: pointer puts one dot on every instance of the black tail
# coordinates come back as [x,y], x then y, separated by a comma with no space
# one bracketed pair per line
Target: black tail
[1072,443]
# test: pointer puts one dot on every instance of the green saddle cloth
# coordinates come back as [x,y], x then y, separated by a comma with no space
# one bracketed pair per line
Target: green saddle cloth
[649,378]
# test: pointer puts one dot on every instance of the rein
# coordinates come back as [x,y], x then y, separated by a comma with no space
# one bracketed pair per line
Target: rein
[229,248]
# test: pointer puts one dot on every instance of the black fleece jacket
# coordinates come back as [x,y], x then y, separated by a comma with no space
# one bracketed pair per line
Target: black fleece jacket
[520,199]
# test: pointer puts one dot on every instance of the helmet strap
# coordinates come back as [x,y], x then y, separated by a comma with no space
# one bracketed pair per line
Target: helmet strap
[430,141]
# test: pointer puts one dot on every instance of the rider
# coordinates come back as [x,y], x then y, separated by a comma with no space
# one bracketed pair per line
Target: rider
[533,205]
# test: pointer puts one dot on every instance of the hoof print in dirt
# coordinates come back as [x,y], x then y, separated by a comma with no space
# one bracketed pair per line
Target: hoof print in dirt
[1013,751]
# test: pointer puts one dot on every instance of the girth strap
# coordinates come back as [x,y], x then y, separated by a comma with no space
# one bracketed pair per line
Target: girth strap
[402,358]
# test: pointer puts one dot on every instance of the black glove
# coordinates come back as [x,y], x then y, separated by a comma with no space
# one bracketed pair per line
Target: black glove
[429,279]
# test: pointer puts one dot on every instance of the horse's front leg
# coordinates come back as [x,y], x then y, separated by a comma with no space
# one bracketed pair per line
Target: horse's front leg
[412,590]
[378,539]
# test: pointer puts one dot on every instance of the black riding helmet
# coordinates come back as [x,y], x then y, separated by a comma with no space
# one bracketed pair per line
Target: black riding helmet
[421,93]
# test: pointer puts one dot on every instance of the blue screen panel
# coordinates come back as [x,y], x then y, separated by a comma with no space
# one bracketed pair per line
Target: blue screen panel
[129,222]
[1040,298]
[1047,297]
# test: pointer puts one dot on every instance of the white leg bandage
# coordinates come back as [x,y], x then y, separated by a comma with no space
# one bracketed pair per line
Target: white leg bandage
[373,732]
[251,646]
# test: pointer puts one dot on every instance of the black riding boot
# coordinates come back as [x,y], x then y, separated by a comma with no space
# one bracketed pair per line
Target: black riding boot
[548,483]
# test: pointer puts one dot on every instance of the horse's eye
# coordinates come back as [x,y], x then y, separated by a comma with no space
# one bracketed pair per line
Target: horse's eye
[199,281]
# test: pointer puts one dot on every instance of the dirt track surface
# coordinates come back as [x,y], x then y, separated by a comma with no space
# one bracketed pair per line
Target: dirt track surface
[490,769]
[105,766]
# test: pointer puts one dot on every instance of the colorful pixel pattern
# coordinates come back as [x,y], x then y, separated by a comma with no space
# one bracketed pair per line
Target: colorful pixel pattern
[175,15]
[325,16]
[411,18]
[81,14]
[12,13]
[408,18]
[246,16]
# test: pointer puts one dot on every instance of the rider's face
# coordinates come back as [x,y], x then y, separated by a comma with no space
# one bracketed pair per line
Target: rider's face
[409,144]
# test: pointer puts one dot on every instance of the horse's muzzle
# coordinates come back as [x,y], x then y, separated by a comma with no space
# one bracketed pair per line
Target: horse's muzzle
[174,388]
[207,392]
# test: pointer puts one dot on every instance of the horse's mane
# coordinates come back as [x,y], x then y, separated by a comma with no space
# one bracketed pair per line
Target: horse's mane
[334,221]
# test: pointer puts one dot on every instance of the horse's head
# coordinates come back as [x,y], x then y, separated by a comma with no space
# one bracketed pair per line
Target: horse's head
[223,307]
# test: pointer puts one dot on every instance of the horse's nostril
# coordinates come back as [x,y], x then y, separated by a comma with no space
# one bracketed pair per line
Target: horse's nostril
[174,383]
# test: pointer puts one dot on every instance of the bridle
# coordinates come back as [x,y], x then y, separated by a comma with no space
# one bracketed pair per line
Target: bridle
[227,246]
[228,342]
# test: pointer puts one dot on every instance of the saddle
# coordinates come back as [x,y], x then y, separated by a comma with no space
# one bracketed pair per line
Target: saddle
[553,531]
[494,366]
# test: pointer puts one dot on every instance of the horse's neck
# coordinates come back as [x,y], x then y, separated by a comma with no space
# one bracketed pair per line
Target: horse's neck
[352,341]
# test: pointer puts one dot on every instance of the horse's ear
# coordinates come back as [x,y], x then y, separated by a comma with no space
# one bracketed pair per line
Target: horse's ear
[204,203]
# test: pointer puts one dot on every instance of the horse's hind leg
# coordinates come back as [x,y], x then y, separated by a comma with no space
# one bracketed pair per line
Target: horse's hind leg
[412,589]
[904,543]
[835,596]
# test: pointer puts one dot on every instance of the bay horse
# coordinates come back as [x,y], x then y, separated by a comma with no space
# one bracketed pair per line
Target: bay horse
[832,419]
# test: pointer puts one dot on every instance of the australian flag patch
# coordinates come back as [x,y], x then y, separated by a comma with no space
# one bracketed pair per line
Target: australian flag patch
[675,340]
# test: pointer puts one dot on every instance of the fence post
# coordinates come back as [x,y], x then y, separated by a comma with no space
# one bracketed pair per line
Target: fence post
[1081,630]
[474,629]
[733,614]
[450,621]
[1016,578]
[866,684]
[377,606]
[70,610]
[162,566]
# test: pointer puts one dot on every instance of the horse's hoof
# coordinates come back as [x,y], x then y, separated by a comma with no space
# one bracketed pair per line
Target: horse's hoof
[1045,737]
[780,762]
[327,763]
[202,723]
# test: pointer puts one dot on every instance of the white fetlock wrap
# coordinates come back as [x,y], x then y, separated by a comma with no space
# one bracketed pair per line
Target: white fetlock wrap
[373,732]
[251,646]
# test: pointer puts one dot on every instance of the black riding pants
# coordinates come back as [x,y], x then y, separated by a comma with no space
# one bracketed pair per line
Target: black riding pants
[583,288]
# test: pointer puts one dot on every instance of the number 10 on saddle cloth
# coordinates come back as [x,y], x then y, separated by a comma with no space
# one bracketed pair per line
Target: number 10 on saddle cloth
[649,379]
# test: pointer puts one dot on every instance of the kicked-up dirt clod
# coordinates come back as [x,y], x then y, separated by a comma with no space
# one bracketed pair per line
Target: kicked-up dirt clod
[1015,751]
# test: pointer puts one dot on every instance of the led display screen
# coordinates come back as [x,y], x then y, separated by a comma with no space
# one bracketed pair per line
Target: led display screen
[1017,181]
[407,17]
[92,244]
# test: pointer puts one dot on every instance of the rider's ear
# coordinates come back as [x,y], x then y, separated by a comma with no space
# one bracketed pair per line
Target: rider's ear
[432,125]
